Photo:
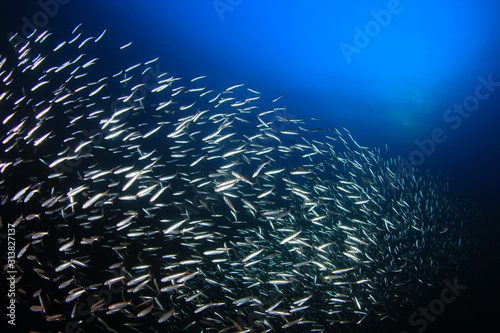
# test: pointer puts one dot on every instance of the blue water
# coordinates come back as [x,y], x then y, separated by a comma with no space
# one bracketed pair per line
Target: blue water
[386,70]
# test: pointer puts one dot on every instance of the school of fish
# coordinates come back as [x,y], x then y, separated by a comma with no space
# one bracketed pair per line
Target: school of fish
[146,202]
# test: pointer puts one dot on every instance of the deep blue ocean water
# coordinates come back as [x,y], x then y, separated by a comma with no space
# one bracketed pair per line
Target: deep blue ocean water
[392,73]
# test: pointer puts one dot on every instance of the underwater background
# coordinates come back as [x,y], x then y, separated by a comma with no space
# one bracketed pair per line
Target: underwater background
[420,80]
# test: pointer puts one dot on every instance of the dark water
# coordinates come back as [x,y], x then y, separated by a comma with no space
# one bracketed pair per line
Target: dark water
[396,82]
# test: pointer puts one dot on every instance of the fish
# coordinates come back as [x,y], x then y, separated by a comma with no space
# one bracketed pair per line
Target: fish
[71,297]
[93,200]
[252,255]
[289,238]
[97,90]
[67,246]
[38,85]
[277,98]
[19,194]
[125,45]
[100,36]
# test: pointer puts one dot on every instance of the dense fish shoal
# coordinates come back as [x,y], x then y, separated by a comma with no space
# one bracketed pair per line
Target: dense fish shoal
[142,201]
